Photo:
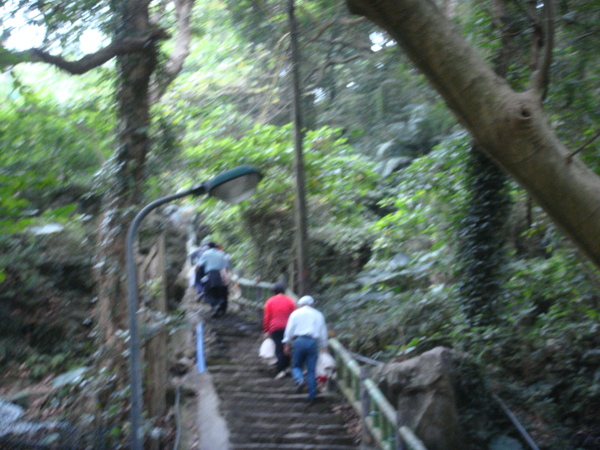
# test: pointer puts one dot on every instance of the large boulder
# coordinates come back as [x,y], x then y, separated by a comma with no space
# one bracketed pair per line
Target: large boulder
[422,390]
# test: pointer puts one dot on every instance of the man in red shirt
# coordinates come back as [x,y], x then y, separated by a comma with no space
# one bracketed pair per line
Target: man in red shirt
[275,317]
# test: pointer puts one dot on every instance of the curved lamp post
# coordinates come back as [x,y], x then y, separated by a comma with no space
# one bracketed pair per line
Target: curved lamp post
[232,186]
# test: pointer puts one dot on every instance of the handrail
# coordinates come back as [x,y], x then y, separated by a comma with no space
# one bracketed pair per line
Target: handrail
[377,413]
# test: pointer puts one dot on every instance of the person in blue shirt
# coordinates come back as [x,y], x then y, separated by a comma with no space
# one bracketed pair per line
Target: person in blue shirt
[199,271]
[212,262]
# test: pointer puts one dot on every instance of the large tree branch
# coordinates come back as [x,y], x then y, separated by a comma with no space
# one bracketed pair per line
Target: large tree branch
[88,62]
[510,126]
[183,37]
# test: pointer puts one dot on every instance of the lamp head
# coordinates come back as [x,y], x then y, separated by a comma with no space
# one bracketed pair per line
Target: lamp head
[235,185]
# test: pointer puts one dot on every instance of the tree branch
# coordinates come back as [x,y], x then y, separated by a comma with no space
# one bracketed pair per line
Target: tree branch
[321,30]
[88,62]
[321,69]
[592,139]
[541,75]
[509,125]
[183,37]
[583,36]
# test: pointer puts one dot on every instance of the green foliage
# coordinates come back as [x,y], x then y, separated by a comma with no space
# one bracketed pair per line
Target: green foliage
[231,106]
[47,137]
[427,204]
[336,217]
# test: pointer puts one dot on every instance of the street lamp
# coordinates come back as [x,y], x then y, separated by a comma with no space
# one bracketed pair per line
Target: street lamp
[232,186]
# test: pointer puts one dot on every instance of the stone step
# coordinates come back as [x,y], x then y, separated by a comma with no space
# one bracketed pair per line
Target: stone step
[268,446]
[289,422]
[282,428]
[264,380]
[237,368]
[261,412]
[267,398]
[306,417]
[289,438]
[281,408]
[225,388]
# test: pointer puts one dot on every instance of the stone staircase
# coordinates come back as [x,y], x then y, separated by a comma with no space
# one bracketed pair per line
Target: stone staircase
[261,412]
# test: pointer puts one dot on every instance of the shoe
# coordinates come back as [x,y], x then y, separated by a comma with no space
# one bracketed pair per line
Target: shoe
[299,386]
[280,375]
[218,312]
[310,401]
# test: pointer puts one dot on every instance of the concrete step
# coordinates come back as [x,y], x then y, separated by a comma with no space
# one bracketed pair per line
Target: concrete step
[261,412]
[281,408]
[236,367]
[226,388]
[280,446]
[300,438]
[283,427]
[267,398]
[306,417]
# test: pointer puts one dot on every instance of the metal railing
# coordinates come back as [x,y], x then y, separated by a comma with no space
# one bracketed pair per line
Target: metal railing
[377,414]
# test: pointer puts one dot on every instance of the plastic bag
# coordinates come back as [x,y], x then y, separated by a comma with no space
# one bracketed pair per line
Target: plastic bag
[266,352]
[226,278]
[325,366]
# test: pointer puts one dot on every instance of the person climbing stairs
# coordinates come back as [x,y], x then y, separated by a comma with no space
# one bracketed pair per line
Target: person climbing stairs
[263,412]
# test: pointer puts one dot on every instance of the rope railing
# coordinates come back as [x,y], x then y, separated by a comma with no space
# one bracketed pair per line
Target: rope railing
[377,414]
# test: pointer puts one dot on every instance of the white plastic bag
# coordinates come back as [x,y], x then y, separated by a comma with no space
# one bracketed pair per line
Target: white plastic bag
[325,366]
[192,277]
[266,352]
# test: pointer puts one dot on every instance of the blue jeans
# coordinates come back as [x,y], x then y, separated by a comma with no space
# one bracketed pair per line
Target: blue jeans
[305,350]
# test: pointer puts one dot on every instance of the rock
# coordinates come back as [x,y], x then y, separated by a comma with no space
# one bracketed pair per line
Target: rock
[10,413]
[25,398]
[592,357]
[386,149]
[72,377]
[388,166]
[181,344]
[422,390]
[398,261]
[505,443]
[183,365]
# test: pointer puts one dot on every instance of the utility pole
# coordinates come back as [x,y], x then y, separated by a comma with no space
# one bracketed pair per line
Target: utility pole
[299,172]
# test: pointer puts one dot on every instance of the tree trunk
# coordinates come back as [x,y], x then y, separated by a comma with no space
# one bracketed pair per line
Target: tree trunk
[482,232]
[126,177]
[510,126]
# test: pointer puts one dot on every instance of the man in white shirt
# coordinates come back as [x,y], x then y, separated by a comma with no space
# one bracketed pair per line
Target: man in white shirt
[306,332]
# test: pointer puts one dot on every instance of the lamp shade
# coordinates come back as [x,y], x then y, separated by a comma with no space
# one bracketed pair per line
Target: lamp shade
[235,185]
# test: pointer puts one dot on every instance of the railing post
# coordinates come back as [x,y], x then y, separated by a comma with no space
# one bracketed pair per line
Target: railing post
[365,406]
[399,441]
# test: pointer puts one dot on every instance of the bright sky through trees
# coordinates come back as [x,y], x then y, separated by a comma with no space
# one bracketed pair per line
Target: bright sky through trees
[16,33]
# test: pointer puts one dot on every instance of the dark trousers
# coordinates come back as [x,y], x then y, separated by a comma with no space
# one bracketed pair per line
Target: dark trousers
[283,360]
[216,296]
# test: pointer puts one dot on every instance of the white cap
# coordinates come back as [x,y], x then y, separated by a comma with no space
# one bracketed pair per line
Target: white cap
[306,300]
